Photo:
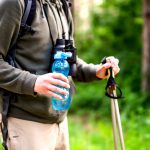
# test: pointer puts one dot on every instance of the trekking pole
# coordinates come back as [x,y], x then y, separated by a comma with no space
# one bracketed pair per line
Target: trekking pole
[116,107]
[116,121]
[111,88]
[114,125]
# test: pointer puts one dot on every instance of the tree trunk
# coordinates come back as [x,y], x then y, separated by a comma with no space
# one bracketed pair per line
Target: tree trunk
[82,9]
[72,7]
[146,50]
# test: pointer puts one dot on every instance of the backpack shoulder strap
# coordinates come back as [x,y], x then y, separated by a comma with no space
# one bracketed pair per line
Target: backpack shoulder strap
[28,16]
[27,19]
[66,5]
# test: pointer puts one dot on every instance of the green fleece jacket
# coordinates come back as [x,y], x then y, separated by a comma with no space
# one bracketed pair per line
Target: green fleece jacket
[33,55]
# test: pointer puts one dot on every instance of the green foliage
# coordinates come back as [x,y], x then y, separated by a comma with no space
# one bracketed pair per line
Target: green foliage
[93,133]
[1,146]
[116,29]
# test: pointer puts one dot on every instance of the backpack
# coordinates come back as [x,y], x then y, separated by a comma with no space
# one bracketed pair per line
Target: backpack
[26,22]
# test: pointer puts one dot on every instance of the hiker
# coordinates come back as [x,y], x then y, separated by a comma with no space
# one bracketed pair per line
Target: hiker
[29,30]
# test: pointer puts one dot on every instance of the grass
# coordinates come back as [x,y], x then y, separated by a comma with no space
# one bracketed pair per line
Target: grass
[1,147]
[88,132]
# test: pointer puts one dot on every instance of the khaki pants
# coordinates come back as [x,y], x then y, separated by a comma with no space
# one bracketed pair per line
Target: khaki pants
[28,135]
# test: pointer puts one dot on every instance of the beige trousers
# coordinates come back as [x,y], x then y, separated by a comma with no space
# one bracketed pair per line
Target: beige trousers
[28,135]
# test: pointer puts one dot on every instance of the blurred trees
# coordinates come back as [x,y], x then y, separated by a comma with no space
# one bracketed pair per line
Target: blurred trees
[146,50]
[81,13]
[115,29]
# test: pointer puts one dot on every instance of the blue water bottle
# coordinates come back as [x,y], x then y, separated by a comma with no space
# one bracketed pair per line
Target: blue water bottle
[61,65]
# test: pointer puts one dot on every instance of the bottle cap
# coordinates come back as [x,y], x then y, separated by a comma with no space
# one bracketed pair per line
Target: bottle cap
[62,55]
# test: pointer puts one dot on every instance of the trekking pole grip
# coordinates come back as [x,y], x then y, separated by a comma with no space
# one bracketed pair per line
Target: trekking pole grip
[111,83]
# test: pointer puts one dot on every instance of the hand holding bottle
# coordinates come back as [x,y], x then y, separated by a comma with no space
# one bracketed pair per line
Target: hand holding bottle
[49,84]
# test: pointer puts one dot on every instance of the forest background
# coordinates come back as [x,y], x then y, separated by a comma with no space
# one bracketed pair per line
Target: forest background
[110,28]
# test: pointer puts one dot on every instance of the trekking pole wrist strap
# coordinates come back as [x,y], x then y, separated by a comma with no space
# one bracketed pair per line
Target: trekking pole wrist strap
[111,84]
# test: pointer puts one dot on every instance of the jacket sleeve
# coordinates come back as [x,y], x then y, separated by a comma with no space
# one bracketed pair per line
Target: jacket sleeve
[85,72]
[11,78]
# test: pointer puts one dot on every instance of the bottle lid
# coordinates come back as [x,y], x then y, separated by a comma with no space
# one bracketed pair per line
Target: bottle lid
[62,55]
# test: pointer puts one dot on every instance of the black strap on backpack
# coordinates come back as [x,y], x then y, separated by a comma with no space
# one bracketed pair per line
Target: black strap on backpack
[28,16]
[65,7]
[6,101]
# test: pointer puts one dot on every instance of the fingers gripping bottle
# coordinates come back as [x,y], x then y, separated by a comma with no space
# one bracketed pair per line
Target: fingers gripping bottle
[61,65]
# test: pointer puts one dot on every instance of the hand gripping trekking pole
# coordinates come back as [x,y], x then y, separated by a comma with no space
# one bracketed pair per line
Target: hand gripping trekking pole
[116,121]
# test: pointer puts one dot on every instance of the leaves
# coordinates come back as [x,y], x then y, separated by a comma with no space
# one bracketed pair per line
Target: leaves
[116,29]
